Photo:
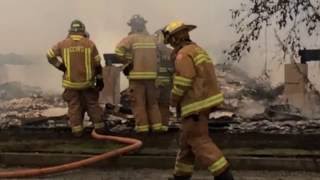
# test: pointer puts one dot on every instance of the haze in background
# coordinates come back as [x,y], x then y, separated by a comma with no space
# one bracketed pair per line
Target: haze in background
[31,27]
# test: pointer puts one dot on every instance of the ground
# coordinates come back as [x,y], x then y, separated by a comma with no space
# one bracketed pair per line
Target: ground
[151,174]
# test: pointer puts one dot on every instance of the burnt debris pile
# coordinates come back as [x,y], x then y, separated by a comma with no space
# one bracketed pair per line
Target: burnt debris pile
[22,104]
[251,105]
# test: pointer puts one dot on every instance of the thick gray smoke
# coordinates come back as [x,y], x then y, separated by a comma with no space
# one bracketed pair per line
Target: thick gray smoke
[31,27]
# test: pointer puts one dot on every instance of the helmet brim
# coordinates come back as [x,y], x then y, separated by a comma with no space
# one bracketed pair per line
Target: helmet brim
[167,34]
[188,27]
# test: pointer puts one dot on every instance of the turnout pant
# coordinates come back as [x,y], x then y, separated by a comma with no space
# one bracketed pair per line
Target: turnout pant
[164,103]
[145,105]
[80,101]
[195,144]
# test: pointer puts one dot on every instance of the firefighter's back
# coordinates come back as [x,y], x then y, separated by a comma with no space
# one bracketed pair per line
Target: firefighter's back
[144,56]
[77,54]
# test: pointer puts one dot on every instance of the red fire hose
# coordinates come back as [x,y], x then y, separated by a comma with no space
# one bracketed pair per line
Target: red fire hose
[133,144]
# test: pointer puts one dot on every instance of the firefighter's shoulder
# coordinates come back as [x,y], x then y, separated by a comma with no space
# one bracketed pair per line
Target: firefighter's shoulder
[87,42]
[185,52]
[62,43]
[132,36]
[128,39]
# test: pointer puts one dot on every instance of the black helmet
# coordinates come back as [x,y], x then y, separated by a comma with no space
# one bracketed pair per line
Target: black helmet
[77,26]
[137,23]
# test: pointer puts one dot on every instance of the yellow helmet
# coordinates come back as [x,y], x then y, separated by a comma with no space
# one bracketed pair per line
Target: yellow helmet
[174,27]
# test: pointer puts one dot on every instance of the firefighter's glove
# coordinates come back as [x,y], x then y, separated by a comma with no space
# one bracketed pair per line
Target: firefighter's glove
[99,83]
[127,69]
[62,68]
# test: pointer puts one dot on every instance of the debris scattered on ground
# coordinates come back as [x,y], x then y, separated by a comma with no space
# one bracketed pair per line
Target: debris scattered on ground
[277,127]
[15,111]
[258,107]
[251,105]
[244,95]
[277,119]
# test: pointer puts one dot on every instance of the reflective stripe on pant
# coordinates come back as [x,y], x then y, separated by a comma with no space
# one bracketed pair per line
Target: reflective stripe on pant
[195,143]
[80,101]
[145,105]
[76,129]
[183,169]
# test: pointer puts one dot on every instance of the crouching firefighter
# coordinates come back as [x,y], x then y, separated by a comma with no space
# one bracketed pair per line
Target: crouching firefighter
[195,91]
[139,49]
[82,76]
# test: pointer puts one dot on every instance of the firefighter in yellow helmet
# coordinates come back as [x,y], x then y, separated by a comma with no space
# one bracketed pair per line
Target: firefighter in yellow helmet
[164,79]
[78,58]
[139,49]
[194,94]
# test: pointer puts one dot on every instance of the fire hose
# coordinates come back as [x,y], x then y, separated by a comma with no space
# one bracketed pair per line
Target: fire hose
[133,144]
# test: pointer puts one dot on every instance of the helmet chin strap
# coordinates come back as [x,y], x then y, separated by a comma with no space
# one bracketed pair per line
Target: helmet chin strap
[179,40]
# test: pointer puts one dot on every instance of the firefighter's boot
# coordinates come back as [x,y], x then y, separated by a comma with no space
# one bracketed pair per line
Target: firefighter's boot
[226,175]
[77,134]
[101,131]
[180,178]
[77,131]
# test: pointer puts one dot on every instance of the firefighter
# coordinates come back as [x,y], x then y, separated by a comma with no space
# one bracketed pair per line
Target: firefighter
[82,76]
[194,94]
[139,50]
[164,79]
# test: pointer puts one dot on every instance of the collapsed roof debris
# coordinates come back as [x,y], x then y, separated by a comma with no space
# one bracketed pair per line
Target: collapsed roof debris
[31,105]
[243,95]
[277,127]
[251,105]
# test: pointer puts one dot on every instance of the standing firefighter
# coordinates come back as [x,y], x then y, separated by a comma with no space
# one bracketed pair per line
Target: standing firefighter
[139,48]
[164,79]
[195,93]
[82,78]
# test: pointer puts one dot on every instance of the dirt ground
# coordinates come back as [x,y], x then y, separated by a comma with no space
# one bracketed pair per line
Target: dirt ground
[151,174]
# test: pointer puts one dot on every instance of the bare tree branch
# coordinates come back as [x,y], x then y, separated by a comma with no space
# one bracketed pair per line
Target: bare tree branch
[255,15]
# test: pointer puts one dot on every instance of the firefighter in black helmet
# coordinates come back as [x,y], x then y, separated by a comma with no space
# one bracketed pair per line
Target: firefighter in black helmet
[77,27]
[78,57]
[139,50]
[137,24]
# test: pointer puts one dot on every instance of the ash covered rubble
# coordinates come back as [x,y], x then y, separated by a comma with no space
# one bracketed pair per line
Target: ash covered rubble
[277,119]
[243,95]
[119,118]
[258,107]
[21,104]
[251,105]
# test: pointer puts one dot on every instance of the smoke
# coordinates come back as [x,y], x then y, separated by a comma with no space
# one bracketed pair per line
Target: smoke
[31,27]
